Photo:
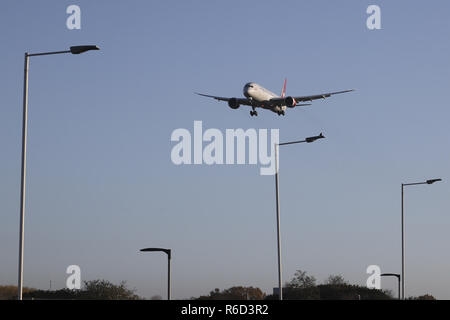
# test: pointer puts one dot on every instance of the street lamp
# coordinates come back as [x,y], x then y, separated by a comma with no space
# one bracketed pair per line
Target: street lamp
[169,256]
[431,181]
[82,49]
[393,275]
[277,196]
[73,50]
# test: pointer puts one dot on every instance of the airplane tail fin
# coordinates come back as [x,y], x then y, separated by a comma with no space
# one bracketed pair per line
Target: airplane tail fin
[283,91]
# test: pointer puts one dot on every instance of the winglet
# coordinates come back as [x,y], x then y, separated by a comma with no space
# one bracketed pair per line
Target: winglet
[283,91]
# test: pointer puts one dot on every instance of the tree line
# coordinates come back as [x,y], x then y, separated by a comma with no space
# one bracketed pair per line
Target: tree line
[301,287]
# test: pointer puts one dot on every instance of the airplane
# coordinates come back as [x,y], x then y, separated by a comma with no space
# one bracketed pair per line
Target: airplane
[256,96]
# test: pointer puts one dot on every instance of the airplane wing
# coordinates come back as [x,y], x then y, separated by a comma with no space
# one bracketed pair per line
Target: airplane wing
[281,101]
[241,101]
[319,96]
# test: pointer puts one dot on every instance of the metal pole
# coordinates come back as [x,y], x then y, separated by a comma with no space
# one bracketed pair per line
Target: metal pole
[168,275]
[403,248]
[48,53]
[277,194]
[278,224]
[24,158]
[398,278]
[23,175]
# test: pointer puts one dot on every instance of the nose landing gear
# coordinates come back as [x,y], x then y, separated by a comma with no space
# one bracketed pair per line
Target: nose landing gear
[281,113]
[253,113]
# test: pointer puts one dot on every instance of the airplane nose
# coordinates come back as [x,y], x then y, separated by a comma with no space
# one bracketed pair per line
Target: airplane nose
[246,91]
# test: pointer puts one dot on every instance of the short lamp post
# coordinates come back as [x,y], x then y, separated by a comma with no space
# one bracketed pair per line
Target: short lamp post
[169,256]
[398,276]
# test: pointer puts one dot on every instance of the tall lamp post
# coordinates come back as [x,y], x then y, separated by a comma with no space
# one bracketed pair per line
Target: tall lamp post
[169,256]
[277,196]
[73,50]
[431,181]
[398,278]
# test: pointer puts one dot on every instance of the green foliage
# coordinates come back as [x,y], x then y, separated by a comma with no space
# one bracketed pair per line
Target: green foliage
[235,293]
[332,292]
[423,297]
[335,280]
[305,293]
[351,292]
[92,290]
[301,281]
[303,287]
[105,290]
[10,292]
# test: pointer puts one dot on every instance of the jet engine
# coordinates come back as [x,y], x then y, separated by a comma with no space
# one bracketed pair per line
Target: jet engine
[233,103]
[290,102]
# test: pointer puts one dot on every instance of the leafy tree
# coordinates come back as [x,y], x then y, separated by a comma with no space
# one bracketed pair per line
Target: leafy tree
[333,292]
[351,292]
[423,297]
[335,280]
[63,294]
[301,281]
[235,293]
[92,290]
[105,290]
[303,287]
[10,292]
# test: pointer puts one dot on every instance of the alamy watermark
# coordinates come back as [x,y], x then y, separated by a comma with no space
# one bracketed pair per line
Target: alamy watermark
[74,20]
[73,281]
[374,280]
[373,22]
[190,148]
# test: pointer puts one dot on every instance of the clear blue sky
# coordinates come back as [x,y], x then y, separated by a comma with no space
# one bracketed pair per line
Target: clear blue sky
[101,184]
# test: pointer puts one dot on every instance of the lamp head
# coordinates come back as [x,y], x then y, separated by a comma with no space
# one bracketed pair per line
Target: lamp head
[431,181]
[81,49]
[167,251]
[312,139]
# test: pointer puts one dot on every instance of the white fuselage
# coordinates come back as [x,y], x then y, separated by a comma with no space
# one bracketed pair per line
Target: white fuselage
[260,94]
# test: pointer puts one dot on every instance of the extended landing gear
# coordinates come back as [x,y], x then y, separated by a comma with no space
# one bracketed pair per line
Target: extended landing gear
[253,113]
[281,113]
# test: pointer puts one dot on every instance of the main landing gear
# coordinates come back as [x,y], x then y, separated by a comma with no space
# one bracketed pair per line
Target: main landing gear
[280,113]
[253,113]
